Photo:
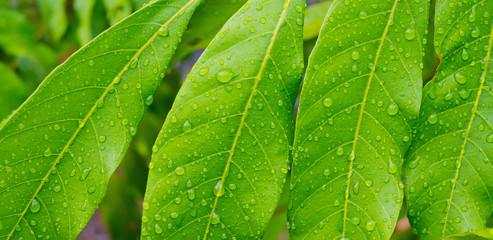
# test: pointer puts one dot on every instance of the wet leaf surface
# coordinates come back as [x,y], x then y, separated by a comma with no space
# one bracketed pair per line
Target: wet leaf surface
[222,156]
[448,172]
[359,103]
[60,148]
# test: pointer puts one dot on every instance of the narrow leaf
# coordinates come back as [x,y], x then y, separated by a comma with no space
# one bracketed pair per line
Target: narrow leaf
[83,10]
[448,172]
[222,156]
[55,17]
[60,148]
[357,109]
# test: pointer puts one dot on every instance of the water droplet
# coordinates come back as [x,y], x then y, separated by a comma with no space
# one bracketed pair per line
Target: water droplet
[217,190]
[35,206]
[392,167]
[328,102]
[187,127]
[490,138]
[410,34]
[149,100]
[158,229]
[47,152]
[355,55]
[179,171]
[164,32]
[465,54]
[204,71]
[370,226]
[460,78]
[224,75]
[432,119]
[174,215]
[102,138]
[191,194]
[392,109]
[215,219]
[340,151]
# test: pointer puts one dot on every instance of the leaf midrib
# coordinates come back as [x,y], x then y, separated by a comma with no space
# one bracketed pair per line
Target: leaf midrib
[358,126]
[242,121]
[468,131]
[91,111]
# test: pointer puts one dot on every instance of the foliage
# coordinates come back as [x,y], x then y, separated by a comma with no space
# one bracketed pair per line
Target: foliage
[391,136]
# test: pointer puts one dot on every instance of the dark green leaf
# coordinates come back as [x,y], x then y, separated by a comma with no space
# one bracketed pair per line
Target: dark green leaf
[222,156]
[448,172]
[60,148]
[357,109]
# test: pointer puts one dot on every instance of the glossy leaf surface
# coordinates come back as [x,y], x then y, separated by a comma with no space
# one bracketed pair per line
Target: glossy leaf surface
[357,109]
[448,172]
[60,148]
[221,159]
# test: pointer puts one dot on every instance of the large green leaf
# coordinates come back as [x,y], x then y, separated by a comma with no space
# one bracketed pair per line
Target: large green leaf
[222,156]
[357,109]
[60,148]
[449,171]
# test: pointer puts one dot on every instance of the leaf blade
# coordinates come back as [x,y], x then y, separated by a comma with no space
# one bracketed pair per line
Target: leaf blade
[354,118]
[458,198]
[210,173]
[71,141]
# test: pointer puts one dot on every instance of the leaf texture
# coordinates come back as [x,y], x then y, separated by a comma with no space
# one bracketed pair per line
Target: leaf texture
[358,106]
[448,172]
[61,146]
[222,156]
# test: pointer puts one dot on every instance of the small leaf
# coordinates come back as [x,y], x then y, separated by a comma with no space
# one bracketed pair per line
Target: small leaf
[55,17]
[315,15]
[359,103]
[222,156]
[60,148]
[448,172]
[83,10]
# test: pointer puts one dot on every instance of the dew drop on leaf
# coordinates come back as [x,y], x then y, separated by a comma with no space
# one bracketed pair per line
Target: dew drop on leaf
[224,75]
[204,71]
[392,109]
[355,55]
[409,34]
[186,127]
[432,119]
[328,102]
[35,206]
[459,78]
[370,226]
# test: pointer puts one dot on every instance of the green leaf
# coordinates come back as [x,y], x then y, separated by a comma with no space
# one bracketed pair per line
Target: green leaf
[483,234]
[83,10]
[12,92]
[208,19]
[222,156]
[448,172]
[314,18]
[60,148]
[55,17]
[116,10]
[357,109]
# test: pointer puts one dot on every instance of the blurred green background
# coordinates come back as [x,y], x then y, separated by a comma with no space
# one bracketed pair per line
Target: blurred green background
[38,35]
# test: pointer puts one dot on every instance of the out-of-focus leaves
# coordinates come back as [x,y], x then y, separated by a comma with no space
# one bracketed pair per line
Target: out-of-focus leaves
[314,18]
[208,19]
[139,3]
[83,10]
[55,17]
[120,211]
[17,40]
[116,10]
[278,222]
[12,91]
